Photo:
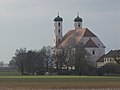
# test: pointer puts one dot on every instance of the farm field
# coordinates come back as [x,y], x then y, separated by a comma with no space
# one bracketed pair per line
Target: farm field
[9,73]
[57,82]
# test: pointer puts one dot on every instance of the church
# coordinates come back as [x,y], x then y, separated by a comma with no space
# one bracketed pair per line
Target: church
[78,36]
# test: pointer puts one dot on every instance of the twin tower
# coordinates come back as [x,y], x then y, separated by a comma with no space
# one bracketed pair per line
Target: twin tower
[58,28]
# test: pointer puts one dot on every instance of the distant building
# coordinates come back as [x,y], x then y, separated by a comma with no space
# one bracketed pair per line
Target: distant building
[108,58]
[4,65]
[78,36]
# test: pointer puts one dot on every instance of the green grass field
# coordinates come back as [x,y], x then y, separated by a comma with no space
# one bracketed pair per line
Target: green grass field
[47,82]
[14,81]
[9,73]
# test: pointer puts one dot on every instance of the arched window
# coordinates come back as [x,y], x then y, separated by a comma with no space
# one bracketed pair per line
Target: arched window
[78,24]
[59,24]
[93,52]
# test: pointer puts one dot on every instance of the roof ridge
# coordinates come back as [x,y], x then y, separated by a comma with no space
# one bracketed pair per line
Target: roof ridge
[88,33]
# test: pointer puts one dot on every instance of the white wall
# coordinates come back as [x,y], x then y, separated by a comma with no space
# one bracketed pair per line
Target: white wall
[94,57]
[100,51]
[96,40]
[76,25]
[57,35]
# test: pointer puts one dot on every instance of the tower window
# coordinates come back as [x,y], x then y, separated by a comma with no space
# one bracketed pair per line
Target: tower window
[79,25]
[58,30]
[93,52]
[59,24]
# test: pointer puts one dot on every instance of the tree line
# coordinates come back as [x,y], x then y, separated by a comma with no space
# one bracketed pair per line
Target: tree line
[60,61]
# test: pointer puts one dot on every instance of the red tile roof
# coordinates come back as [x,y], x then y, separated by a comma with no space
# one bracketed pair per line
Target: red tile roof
[90,43]
[113,53]
[110,54]
[74,37]
[101,59]
[88,33]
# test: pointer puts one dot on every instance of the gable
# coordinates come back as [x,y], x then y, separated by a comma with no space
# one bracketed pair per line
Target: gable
[101,59]
[91,44]
[88,33]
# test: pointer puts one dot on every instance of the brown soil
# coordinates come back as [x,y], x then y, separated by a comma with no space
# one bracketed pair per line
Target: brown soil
[55,85]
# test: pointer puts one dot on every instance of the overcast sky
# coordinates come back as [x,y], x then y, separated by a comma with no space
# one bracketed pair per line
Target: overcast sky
[29,23]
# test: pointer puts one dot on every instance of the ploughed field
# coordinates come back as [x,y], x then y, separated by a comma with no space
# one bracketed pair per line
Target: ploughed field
[58,82]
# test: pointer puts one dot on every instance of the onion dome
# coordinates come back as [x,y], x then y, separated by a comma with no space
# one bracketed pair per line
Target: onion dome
[58,18]
[78,19]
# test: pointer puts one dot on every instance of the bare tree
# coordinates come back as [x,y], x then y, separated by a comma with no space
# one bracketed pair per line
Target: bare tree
[59,56]
[78,57]
[19,58]
[46,56]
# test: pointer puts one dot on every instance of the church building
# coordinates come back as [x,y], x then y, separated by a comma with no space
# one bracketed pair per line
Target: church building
[78,36]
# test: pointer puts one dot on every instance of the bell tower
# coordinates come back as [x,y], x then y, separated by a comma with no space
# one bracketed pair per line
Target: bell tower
[78,22]
[57,30]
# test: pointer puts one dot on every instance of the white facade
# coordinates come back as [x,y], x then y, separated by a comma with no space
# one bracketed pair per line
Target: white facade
[78,25]
[111,57]
[100,64]
[57,32]
[78,22]
[96,40]
[95,52]
[105,61]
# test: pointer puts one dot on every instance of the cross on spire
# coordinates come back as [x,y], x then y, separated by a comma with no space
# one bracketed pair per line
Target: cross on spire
[58,13]
[77,13]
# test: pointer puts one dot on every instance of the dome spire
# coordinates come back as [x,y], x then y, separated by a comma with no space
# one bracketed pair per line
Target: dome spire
[58,18]
[78,19]
[58,13]
[78,22]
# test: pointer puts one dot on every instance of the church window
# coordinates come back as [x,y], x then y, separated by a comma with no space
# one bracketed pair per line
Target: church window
[78,24]
[59,24]
[93,52]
